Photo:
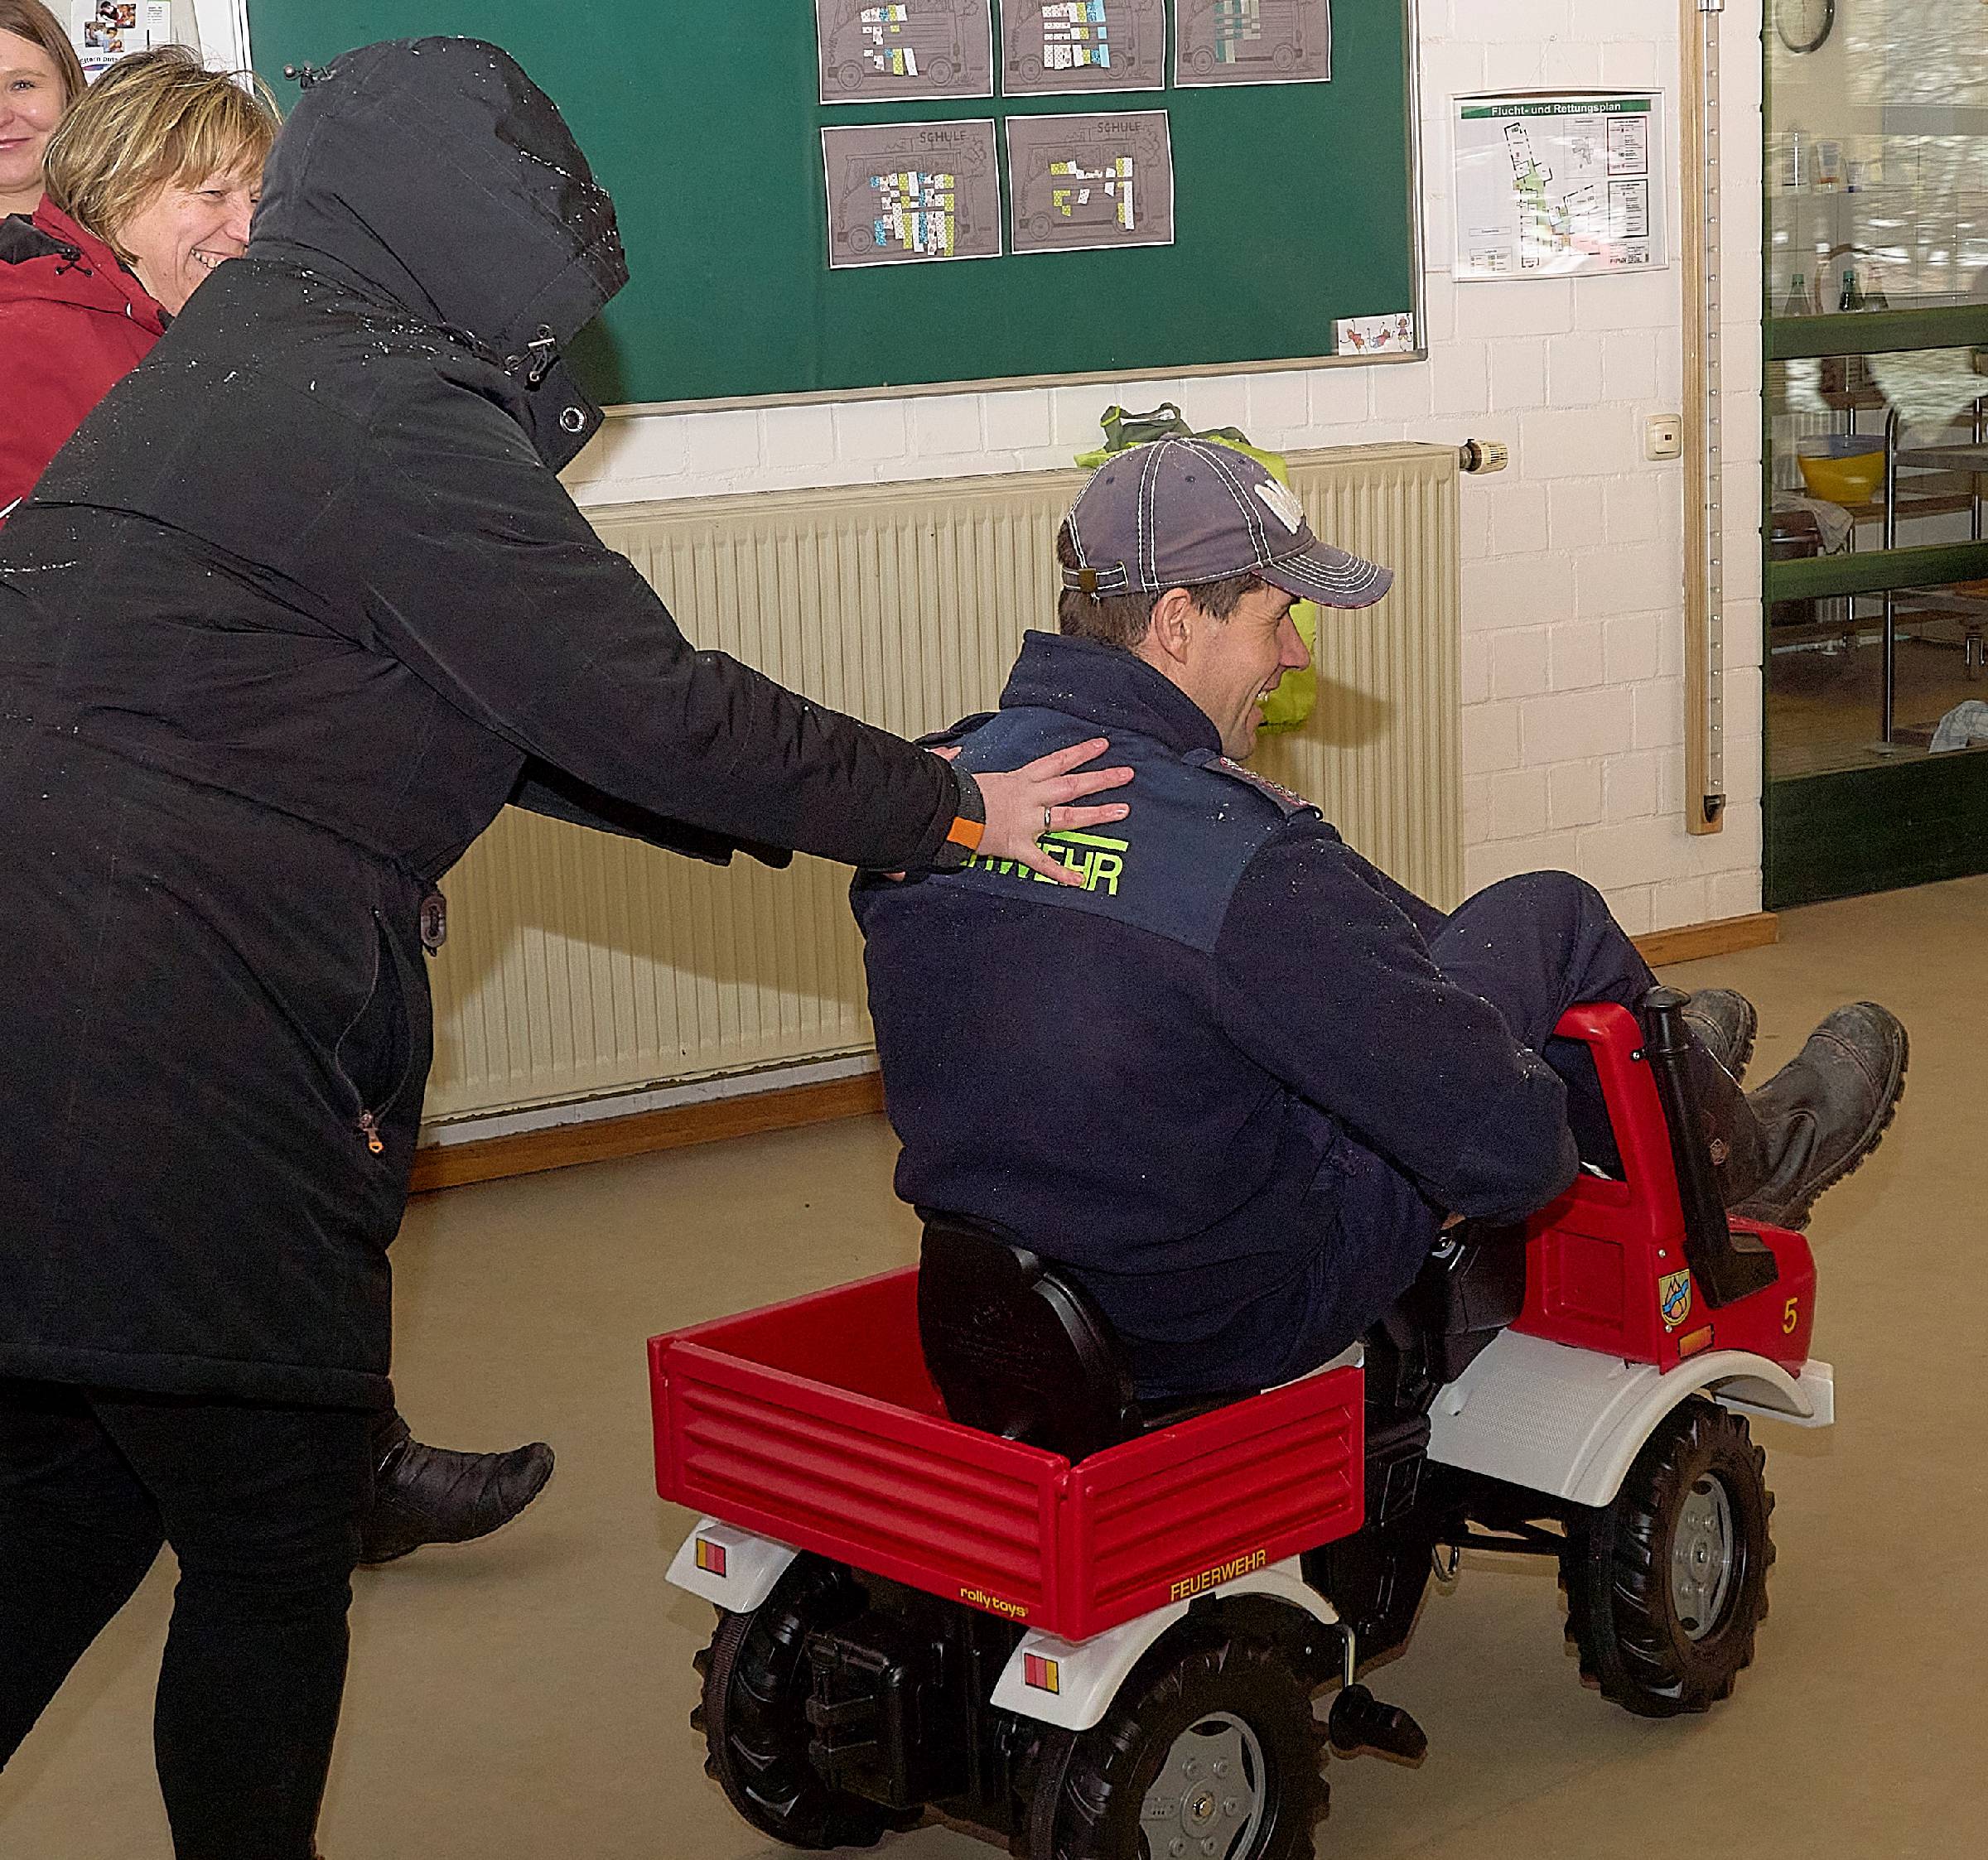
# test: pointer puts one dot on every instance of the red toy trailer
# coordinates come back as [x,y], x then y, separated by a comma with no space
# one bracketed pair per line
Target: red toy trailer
[957,1564]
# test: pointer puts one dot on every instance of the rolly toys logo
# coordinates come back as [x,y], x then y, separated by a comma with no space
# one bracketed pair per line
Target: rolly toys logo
[979,1598]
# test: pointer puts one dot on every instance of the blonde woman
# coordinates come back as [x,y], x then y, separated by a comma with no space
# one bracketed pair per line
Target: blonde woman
[163,161]
[152,178]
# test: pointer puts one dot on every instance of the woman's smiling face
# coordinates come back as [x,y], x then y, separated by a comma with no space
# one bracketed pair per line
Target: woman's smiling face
[32,98]
[181,235]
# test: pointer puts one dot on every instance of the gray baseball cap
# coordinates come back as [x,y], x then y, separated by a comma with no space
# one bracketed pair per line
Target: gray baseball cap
[1179,513]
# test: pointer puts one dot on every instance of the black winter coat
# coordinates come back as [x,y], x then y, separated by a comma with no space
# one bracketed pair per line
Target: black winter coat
[283,627]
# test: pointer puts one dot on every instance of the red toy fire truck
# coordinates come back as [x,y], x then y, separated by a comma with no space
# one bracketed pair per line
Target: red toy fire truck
[957,1565]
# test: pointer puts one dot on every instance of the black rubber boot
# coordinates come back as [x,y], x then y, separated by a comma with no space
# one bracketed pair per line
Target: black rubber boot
[1824,1111]
[435,1494]
[1724,1022]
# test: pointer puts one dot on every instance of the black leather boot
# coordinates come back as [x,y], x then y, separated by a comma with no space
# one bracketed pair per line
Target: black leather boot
[1725,1022]
[1824,1111]
[435,1494]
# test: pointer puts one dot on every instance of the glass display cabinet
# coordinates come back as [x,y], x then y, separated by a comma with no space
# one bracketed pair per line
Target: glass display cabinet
[1876,445]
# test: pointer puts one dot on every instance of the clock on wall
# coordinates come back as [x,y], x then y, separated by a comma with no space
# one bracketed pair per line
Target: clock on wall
[1804,24]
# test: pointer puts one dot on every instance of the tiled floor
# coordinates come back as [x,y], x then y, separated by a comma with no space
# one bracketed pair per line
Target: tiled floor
[526,1699]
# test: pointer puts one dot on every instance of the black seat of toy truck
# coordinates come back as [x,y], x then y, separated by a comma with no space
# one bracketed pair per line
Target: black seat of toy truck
[1472,1287]
[1016,1347]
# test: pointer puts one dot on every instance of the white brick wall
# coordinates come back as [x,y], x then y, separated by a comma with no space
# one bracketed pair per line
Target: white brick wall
[1573,605]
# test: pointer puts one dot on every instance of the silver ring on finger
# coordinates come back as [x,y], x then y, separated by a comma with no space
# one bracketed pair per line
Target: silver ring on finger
[1047,825]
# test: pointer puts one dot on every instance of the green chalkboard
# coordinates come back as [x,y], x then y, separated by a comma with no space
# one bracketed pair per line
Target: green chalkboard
[1294,205]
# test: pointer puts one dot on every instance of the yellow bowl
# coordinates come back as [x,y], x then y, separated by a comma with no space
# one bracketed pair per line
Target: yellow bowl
[1852,480]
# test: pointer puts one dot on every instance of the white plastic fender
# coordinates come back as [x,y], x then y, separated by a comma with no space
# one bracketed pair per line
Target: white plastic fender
[1076,1680]
[1569,1421]
[735,1569]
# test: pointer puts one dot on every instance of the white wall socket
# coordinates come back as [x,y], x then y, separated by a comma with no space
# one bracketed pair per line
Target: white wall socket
[1663,436]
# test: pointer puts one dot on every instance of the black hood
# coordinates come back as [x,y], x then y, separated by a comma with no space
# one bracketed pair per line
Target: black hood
[434,173]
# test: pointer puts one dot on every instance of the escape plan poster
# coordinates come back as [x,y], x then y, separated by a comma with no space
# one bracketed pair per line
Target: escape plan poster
[1553,187]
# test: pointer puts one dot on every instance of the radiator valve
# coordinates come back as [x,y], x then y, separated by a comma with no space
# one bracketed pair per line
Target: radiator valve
[1484,455]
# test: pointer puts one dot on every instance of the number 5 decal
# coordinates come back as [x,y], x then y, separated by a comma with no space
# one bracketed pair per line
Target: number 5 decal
[1791,1315]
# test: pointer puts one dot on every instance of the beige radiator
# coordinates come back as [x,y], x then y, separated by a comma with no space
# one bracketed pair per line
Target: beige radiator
[579,965]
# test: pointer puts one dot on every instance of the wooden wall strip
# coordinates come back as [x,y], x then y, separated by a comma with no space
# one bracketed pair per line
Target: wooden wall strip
[1694,942]
[456,1165]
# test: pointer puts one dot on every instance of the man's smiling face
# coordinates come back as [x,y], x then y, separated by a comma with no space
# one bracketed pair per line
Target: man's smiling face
[1232,666]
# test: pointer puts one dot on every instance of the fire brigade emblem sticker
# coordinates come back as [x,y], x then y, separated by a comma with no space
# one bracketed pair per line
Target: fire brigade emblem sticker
[1674,1297]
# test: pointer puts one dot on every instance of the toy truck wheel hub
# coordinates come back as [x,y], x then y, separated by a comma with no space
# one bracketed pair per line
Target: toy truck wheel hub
[1207,1798]
[1701,1557]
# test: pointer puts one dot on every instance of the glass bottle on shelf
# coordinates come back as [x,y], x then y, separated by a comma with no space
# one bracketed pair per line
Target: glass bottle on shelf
[1853,295]
[1799,302]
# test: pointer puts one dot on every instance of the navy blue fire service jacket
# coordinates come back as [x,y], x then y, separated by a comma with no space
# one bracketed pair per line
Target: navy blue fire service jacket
[1225,1080]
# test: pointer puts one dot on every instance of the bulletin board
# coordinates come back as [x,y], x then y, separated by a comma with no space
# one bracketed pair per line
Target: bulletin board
[1291,212]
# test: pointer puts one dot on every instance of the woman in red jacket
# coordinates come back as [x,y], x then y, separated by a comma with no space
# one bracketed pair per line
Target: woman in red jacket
[151,180]
[72,320]
[41,404]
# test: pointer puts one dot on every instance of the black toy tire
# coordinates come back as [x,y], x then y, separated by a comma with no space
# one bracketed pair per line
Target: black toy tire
[1622,1612]
[1091,1785]
[753,1718]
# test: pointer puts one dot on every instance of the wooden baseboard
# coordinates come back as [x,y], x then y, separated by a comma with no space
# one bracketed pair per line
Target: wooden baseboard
[1692,942]
[456,1164]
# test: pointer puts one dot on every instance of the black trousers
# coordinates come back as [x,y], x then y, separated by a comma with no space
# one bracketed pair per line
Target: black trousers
[1534,946]
[261,1504]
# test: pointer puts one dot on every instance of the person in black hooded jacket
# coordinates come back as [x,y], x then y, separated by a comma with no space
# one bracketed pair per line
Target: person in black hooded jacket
[299,608]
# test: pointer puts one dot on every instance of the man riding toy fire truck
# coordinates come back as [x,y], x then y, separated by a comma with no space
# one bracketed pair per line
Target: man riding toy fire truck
[1284,1237]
